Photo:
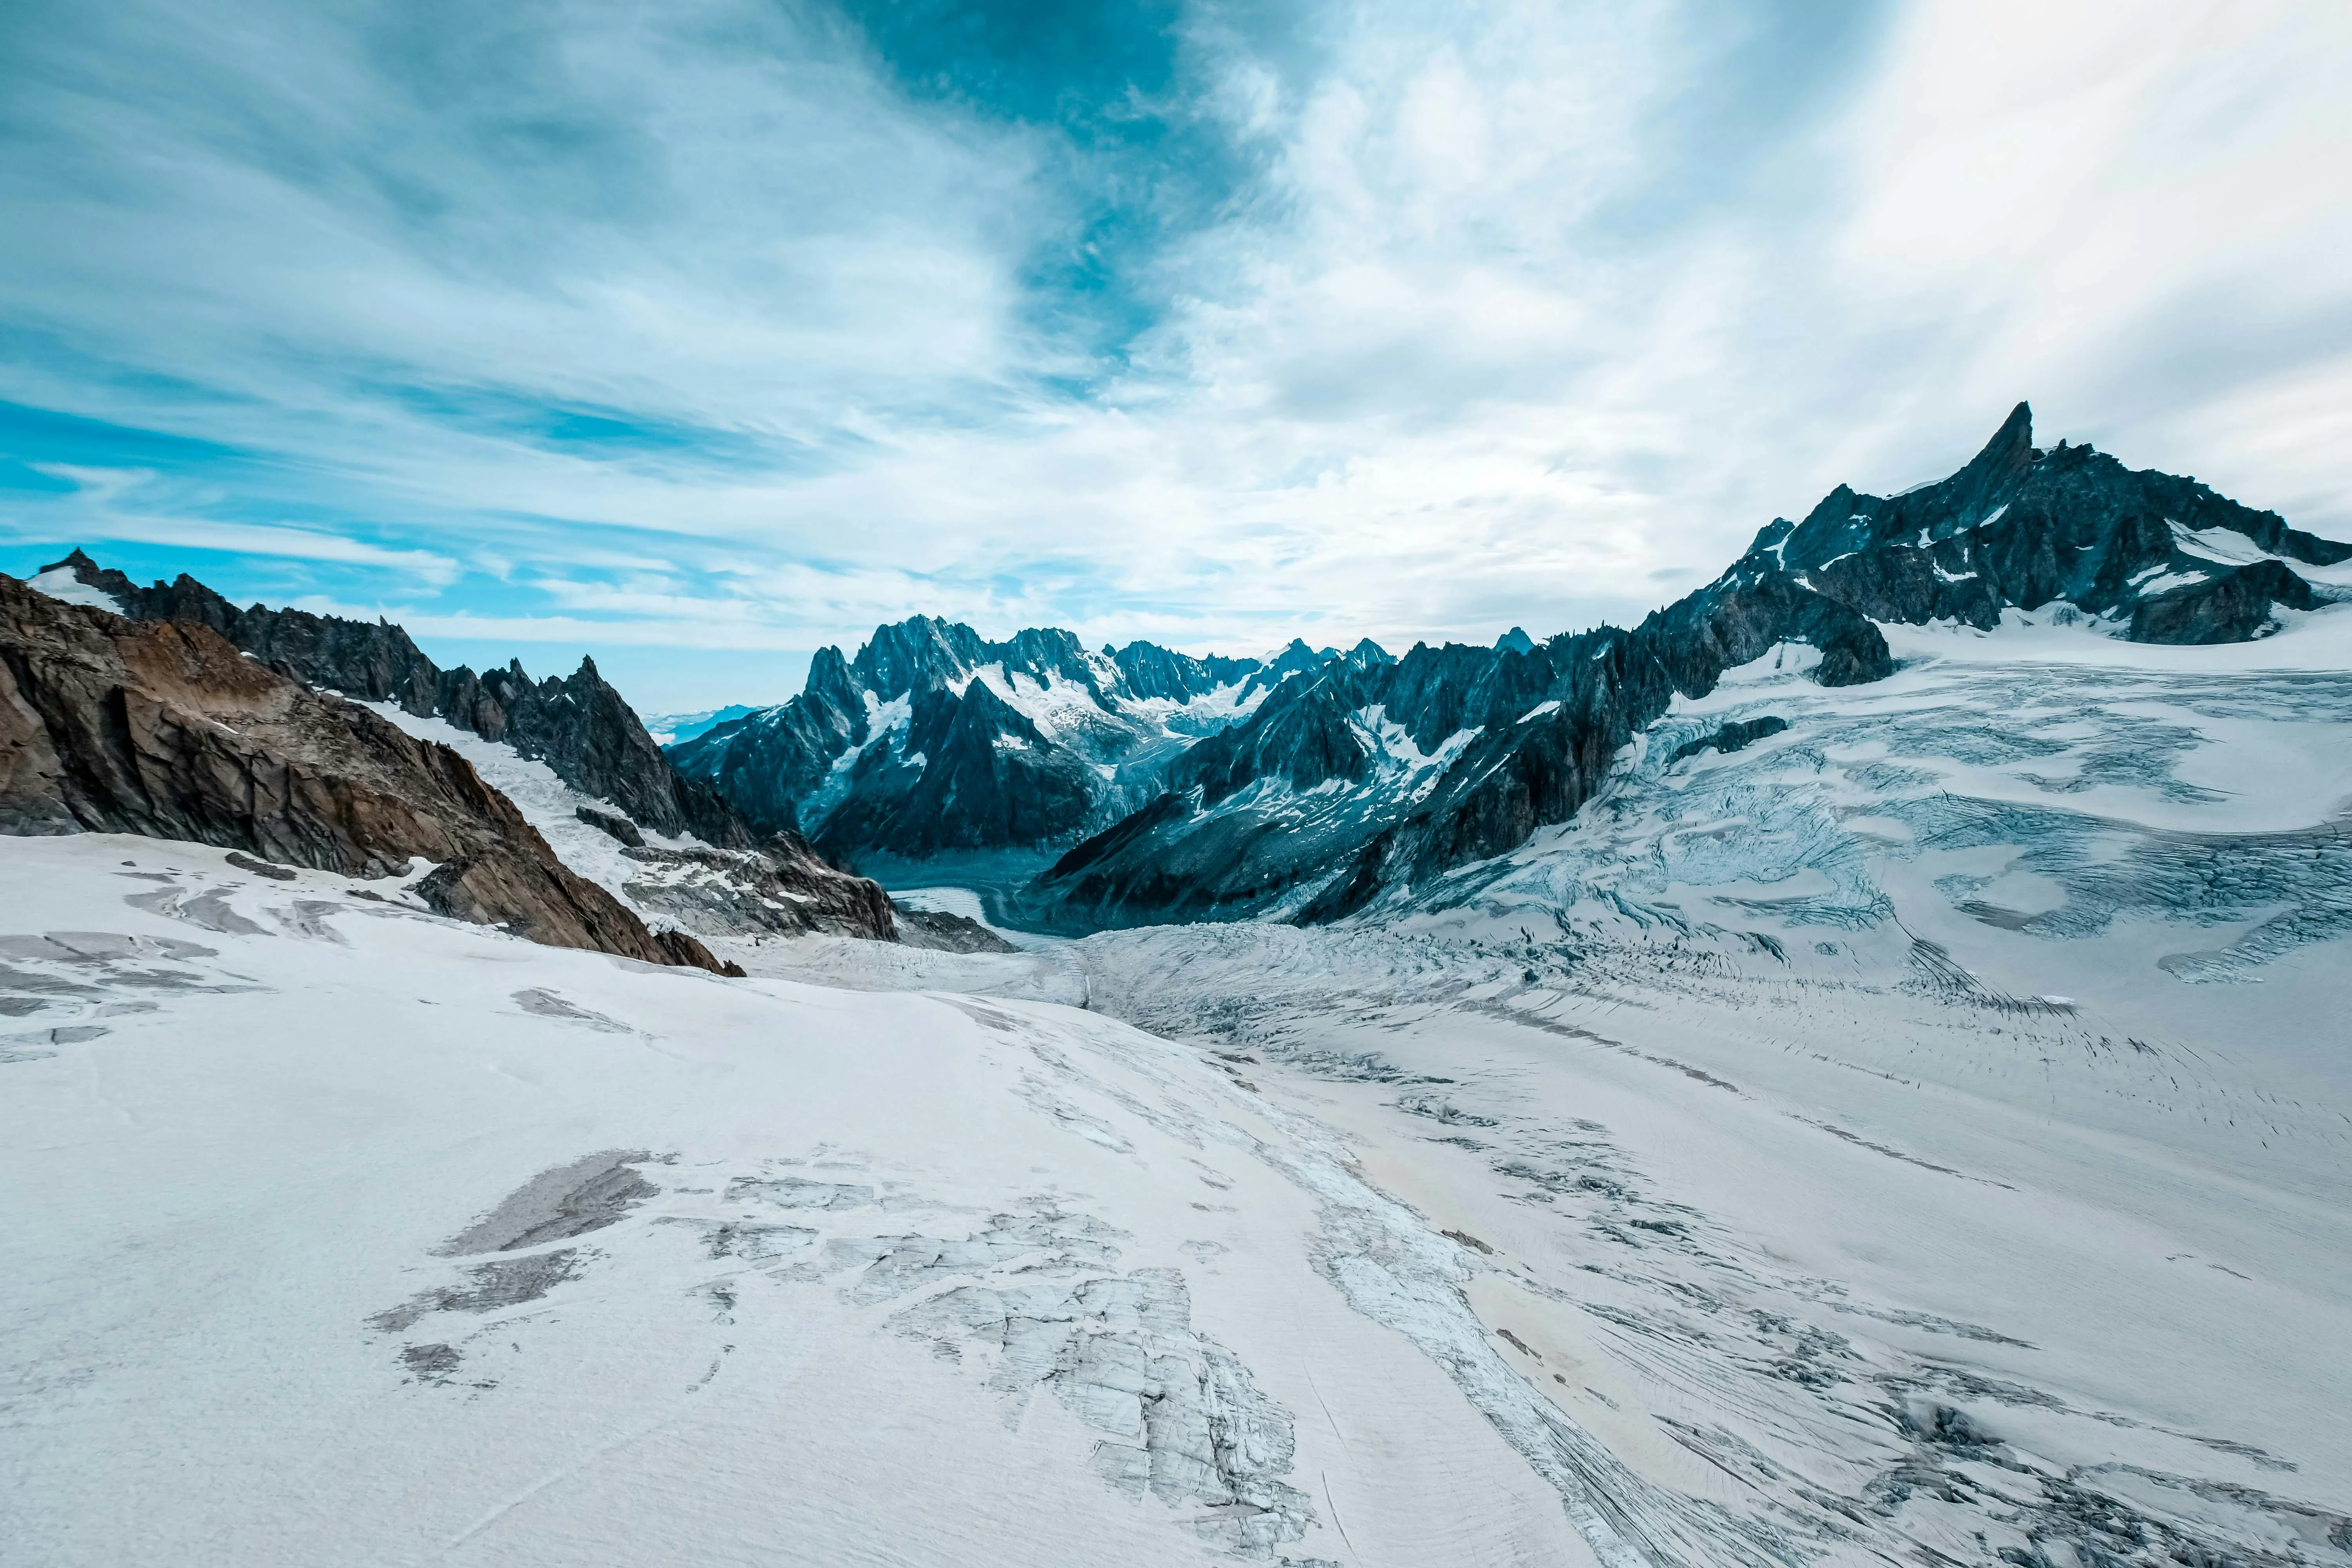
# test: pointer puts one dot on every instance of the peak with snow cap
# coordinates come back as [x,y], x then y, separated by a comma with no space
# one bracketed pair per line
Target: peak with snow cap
[934,740]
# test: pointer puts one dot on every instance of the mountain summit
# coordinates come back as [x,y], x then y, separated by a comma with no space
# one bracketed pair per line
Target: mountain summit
[934,740]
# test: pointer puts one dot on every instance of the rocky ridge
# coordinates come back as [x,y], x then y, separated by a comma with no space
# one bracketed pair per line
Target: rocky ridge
[580,726]
[165,729]
[1362,781]
[935,739]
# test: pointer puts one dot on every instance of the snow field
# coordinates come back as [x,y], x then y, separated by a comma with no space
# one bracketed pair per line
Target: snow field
[242,1328]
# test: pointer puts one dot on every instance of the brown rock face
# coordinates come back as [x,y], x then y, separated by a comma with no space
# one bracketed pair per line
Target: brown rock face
[580,726]
[163,729]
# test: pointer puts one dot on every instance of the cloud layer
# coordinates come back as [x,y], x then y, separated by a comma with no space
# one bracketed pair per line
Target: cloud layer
[734,325]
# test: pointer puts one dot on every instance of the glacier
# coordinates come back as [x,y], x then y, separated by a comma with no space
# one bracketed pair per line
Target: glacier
[1919,1130]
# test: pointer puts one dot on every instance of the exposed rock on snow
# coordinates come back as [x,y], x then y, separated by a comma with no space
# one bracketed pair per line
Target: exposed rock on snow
[1735,736]
[163,729]
[942,931]
[579,726]
[612,825]
[584,1194]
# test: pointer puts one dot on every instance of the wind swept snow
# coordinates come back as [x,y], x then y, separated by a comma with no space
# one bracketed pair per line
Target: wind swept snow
[1058,1307]
[1920,1132]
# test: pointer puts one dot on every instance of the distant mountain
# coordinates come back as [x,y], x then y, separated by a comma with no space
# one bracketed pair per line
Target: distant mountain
[1367,780]
[933,739]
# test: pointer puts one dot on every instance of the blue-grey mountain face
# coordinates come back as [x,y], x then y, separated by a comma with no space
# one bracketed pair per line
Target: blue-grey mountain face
[1367,779]
[934,740]
[2164,559]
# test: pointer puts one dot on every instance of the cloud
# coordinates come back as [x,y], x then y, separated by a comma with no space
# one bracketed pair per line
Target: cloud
[108,504]
[749,325]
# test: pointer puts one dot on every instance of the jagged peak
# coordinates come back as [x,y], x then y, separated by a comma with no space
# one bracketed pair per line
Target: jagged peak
[2010,451]
[1771,534]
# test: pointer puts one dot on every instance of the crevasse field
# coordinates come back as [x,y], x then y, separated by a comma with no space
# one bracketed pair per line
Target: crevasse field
[1923,1134]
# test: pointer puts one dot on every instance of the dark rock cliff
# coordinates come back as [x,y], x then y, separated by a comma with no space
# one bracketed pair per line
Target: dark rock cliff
[972,772]
[956,766]
[375,661]
[165,729]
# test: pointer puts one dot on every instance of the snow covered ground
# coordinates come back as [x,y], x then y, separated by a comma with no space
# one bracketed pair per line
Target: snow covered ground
[337,1233]
[1934,1117]
[1924,1133]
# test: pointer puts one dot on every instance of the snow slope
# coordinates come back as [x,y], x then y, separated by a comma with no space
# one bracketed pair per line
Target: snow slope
[339,1234]
[1922,1134]
[1934,1117]
[551,806]
[711,896]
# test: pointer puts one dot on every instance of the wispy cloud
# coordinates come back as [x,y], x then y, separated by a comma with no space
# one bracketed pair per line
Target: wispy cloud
[115,504]
[747,325]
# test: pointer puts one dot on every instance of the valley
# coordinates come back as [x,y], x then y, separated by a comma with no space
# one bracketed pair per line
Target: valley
[1852,1069]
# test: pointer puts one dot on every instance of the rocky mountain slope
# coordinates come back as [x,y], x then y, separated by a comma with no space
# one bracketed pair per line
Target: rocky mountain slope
[719,874]
[933,739]
[1367,782]
[164,730]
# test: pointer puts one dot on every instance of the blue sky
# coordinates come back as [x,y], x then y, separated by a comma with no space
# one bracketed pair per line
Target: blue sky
[702,334]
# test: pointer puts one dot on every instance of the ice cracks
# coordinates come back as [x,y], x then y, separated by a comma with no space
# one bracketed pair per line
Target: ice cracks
[1037,1295]
[1394,1268]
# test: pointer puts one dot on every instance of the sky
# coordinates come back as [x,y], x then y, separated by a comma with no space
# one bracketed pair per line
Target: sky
[699,335]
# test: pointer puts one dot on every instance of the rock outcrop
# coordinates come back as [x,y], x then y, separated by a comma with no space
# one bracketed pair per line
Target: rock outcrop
[944,933]
[1733,737]
[1363,779]
[165,729]
[580,726]
[779,886]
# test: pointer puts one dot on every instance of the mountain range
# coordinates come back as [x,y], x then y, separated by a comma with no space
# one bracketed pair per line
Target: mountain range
[1314,785]
[1139,785]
